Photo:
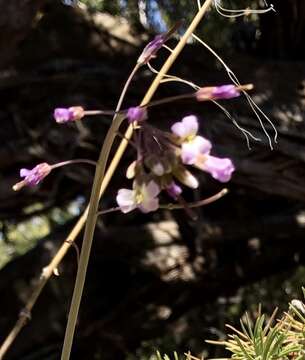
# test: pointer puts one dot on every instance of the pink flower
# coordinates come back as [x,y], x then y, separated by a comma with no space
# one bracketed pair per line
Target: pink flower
[136,114]
[33,177]
[220,169]
[191,150]
[192,145]
[143,197]
[217,92]
[64,115]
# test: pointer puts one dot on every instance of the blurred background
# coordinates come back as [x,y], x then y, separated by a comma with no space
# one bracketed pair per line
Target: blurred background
[159,281]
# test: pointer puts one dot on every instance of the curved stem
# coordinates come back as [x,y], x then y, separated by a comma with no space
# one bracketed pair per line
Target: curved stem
[171,99]
[125,88]
[107,211]
[172,206]
[71,162]
[196,204]
[255,108]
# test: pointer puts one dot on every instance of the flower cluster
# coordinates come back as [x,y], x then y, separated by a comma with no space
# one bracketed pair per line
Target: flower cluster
[162,160]
[162,157]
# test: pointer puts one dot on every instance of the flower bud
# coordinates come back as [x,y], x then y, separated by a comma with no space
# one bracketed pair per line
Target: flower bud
[136,114]
[151,49]
[185,177]
[33,177]
[174,190]
[217,92]
[64,115]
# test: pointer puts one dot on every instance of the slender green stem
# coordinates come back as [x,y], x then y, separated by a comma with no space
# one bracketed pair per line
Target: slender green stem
[88,237]
[125,88]
[98,179]
[91,222]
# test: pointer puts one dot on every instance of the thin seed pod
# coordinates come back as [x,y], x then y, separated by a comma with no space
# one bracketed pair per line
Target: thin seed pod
[257,111]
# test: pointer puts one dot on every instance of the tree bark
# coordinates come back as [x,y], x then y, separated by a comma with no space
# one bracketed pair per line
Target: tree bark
[282,33]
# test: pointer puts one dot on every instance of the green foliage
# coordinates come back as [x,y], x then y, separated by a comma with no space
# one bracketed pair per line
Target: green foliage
[17,239]
[267,339]
[261,339]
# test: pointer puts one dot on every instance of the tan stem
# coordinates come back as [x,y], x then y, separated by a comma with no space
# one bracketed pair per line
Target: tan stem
[98,180]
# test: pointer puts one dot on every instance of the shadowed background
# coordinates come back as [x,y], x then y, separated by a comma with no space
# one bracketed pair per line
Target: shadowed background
[160,281]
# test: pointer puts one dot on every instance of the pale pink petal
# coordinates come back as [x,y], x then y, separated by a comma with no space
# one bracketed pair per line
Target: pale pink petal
[151,190]
[191,150]
[190,124]
[220,169]
[178,130]
[126,200]
[189,153]
[204,145]
[24,172]
[188,127]
[149,205]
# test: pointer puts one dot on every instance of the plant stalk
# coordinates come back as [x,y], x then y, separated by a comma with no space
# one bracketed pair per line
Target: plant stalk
[98,179]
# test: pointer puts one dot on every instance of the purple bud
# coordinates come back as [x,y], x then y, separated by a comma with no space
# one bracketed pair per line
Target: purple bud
[136,114]
[225,92]
[174,190]
[217,92]
[33,177]
[151,49]
[64,115]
